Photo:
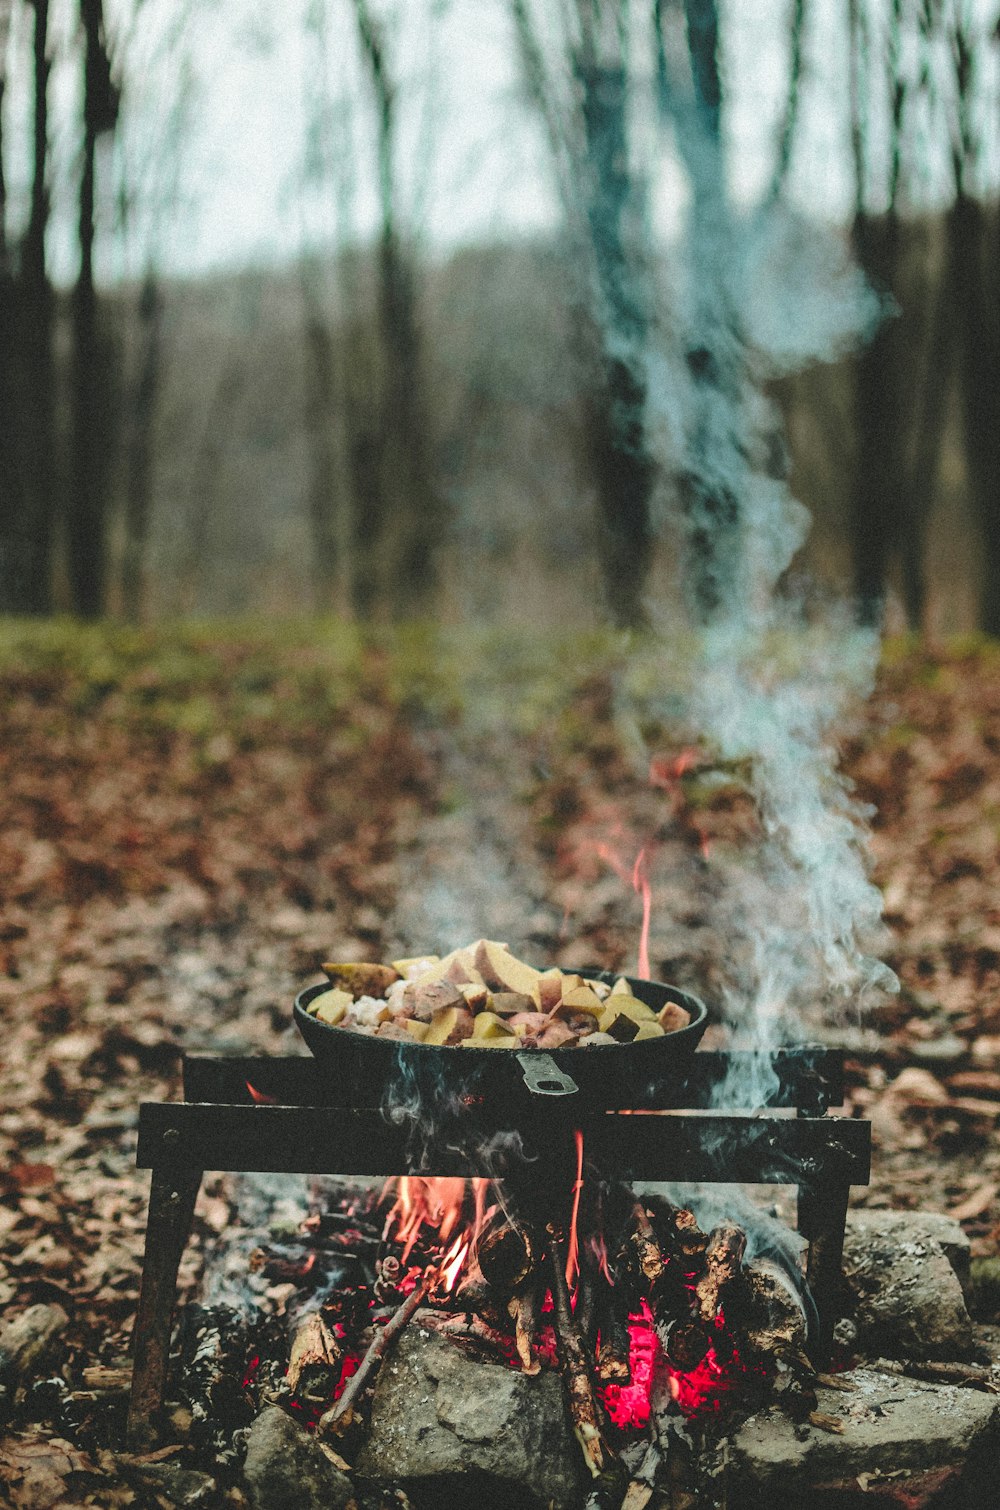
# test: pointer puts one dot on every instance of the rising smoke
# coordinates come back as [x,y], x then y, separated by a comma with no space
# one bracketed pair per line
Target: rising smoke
[768,685]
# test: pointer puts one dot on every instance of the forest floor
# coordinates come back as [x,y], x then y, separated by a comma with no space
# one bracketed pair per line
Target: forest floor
[193,820]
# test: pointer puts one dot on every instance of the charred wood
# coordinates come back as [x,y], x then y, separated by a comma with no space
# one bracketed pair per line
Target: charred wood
[722,1272]
[315,1361]
[689,1241]
[966,1375]
[586,1411]
[214,1369]
[613,1356]
[388,1273]
[507,1252]
[771,1317]
[525,1310]
[340,1416]
[647,1251]
[684,1341]
[467,1328]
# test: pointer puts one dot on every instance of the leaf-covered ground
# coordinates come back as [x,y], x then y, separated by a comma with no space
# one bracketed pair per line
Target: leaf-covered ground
[191,821]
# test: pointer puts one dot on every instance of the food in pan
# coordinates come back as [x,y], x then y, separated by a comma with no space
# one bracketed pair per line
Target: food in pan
[483,997]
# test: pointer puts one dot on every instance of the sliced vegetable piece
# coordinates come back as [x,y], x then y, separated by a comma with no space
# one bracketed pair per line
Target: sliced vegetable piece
[331,1006]
[489,1025]
[672,1017]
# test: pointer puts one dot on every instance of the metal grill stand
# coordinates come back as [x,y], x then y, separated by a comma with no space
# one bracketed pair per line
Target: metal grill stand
[301,1129]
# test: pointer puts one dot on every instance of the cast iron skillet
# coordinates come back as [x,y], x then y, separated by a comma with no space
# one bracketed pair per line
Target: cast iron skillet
[381,1071]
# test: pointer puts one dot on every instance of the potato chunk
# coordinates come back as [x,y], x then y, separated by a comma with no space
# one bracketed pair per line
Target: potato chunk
[672,1017]
[330,1006]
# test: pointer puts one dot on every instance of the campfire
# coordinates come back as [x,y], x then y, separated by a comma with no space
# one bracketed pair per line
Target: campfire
[638,1308]
[511,1220]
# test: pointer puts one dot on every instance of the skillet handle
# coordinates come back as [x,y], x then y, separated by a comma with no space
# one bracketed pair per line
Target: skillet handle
[543,1077]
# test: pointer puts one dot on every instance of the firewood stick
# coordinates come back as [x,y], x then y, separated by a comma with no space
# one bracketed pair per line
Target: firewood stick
[507,1252]
[613,1359]
[525,1309]
[647,1250]
[723,1261]
[586,1287]
[688,1237]
[468,1326]
[314,1358]
[967,1375]
[339,1416]
[665,1412]
[585,1409]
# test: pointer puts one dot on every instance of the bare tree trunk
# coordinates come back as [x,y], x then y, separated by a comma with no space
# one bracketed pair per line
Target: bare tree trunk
[976,286]
[92,396]
[878,508]
[11,495]
[790,120]
[929,425]
[588,140]
[35,425]
[622,465]
[139,476]
[397,537]
[324,496]
[708,481]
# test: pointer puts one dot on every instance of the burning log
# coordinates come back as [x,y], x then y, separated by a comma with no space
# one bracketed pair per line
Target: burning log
[613,1355]
[388,1273]
[339,1417]
[685,1342]
[315,1361]
[467,1327]
[774,1321]
[525,1310]
[648,1253]
[507,1253]
[722,1272]
[689,1241]
[613,1366]
[585,1409]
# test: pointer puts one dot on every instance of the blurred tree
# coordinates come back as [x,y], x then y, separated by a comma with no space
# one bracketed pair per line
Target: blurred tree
[587,126]
[398,528]
[149,169]
[919,78]
[140,455]
[30,475]
[691,101]
[974,275]
[93,397]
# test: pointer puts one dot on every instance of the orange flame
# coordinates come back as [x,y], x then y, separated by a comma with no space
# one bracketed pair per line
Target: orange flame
[638,879]
[437,1203]
[640,884]
[261,1097]
[573,1246]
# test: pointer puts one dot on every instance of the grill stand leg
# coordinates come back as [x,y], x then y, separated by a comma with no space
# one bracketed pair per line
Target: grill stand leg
[822,1222]
[172,1195]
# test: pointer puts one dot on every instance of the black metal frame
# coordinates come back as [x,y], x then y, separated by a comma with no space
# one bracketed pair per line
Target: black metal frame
[302,1129]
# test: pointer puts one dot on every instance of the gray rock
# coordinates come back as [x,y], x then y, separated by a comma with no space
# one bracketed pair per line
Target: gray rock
[438,1413]
[892,1426]
[286,1466]
[900,1268]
